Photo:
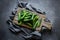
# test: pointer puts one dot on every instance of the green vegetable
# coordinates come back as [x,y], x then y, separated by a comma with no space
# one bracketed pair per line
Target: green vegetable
[40,21]
[32,16]
[29,24]
[20,23]
[24,14]
[29,18]
[35,25]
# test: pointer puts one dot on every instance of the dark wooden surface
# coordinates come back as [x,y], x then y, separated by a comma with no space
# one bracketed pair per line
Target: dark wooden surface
[51,7]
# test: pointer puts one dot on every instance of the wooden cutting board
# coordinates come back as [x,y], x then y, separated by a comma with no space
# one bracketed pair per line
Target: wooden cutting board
[46,24]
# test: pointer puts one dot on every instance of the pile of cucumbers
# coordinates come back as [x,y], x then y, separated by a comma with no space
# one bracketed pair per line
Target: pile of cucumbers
[29,18]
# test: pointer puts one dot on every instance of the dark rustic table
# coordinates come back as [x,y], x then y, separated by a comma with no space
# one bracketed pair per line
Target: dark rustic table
[51,7]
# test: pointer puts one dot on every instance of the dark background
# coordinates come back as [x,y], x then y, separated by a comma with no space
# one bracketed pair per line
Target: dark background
[51,7]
